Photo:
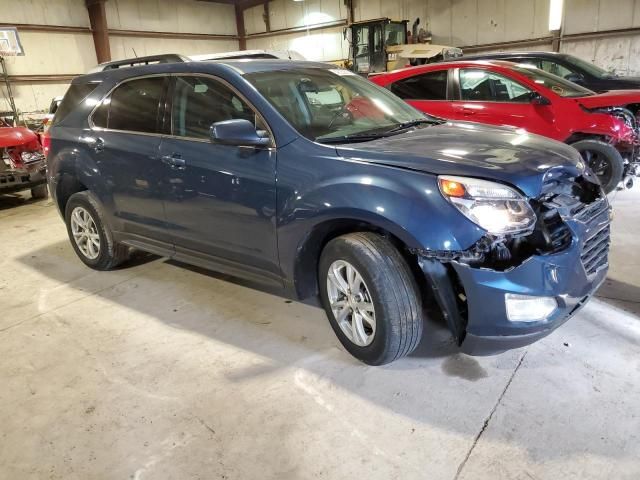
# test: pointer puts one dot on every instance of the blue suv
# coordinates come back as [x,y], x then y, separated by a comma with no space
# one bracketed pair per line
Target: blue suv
[311,178]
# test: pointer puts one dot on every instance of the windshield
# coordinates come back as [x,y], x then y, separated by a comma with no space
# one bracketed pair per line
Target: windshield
[325,105]
[556,84]
[590,68]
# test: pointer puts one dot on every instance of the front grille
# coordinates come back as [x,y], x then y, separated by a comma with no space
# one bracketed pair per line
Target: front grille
[589,210]
[595,251]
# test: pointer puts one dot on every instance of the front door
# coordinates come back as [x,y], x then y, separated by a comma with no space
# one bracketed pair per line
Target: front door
[492,98]
[221,199]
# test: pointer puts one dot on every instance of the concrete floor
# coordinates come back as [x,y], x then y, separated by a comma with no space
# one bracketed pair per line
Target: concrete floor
[158,371]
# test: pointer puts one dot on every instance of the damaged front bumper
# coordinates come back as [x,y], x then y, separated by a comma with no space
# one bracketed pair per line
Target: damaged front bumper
[473,297]
[17,180]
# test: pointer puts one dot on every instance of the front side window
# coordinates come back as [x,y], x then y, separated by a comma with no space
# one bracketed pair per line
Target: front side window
[327,104]
[199,102]
[428,86]
[483,85]
[555,68]
[134,106]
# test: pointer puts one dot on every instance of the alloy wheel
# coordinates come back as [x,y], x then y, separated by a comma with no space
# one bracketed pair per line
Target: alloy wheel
[351,303]
[85,233]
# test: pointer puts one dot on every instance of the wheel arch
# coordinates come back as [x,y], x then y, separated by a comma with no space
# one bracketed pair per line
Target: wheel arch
[308,252]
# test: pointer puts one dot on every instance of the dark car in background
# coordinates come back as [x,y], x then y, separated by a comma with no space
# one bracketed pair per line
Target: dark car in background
[569,67]
[313,179]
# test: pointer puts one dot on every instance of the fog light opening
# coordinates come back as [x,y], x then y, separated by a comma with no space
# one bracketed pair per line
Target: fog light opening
[526,308]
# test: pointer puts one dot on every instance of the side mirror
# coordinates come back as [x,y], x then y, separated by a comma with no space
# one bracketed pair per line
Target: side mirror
[537,99]
[575,78]
[237,132]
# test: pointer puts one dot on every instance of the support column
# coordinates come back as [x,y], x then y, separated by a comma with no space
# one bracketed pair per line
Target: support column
[242,40]
[99,29]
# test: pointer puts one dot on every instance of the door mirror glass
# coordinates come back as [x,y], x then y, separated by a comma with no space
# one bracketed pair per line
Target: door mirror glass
[537,99]
[238,132]
[575,78]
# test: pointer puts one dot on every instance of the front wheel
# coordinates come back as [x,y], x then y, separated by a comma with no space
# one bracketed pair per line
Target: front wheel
[604,160]
[371,298]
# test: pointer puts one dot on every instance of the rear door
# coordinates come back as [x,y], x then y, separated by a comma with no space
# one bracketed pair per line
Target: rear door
[125,142]
[429,92]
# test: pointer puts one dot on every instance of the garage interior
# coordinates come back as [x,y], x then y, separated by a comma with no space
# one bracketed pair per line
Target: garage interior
[161,370]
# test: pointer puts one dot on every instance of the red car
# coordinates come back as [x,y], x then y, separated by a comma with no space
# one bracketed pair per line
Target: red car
[603,127]
[23,165]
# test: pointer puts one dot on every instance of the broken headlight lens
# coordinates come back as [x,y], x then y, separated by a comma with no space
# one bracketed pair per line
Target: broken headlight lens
[495,207]
[28,157]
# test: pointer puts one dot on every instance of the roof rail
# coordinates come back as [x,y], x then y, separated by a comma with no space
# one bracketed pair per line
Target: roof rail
[139,61]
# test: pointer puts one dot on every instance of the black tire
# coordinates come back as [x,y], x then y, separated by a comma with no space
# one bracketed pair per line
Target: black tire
[393,290]
[605,161]
[110,253]
[40,192]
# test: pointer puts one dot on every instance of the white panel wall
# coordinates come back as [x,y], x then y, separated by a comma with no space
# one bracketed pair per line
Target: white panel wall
[619,53]
[46,53]
[318,45]
[325,44]
[178,16]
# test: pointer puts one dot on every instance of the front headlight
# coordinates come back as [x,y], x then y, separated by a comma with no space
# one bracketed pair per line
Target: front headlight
[495,207]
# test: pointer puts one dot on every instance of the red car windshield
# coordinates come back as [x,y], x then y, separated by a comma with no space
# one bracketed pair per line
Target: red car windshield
[556,84]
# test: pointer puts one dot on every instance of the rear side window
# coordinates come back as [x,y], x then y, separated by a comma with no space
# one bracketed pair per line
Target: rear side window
[133,106]
[428,86]
[77,93]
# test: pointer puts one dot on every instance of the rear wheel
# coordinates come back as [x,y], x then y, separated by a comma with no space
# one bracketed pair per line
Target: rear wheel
[604,160]
[371,298]
[40,192]
[90,236]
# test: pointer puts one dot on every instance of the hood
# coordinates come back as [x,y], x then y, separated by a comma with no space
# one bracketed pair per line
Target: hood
[16,136]
[612,98]
[504,154]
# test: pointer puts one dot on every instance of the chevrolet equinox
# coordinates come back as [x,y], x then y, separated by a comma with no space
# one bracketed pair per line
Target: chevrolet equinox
[311,178]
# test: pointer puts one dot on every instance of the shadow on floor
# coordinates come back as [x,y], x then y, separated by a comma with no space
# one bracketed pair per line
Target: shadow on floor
[289,336]
[17,200]
[620,294]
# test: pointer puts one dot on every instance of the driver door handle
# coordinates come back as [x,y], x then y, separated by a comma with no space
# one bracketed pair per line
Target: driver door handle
[174,160]
[468,111]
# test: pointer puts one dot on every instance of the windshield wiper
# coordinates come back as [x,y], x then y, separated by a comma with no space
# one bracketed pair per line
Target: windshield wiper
[415,123]
[356,137]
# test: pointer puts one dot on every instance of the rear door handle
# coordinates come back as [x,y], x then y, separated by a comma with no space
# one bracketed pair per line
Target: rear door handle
[174,161]
[468,111]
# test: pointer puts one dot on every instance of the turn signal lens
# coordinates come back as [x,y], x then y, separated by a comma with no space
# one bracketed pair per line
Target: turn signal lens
[452,188]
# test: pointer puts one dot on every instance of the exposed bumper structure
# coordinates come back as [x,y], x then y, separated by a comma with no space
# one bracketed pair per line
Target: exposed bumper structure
[480,321]
[17,180]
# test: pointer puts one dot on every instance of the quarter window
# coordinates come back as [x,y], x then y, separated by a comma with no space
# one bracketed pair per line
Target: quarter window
[199,102]
[133,106]
[482,85]
[428,86]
